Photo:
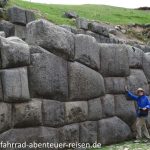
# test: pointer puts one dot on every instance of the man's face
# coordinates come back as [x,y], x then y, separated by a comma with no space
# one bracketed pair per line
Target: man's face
[140,93]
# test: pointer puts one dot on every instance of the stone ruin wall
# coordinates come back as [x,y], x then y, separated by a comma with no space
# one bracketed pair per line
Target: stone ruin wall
[62,87]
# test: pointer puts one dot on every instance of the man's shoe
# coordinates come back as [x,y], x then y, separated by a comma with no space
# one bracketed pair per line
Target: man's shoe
[137,141]
[145,140]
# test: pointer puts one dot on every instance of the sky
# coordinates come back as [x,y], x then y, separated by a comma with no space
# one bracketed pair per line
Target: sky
[119,3]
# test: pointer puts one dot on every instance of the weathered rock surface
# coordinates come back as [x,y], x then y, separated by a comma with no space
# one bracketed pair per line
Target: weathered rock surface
[146,64]
[113,58]
[115,85]
[88,132]
[51,37]
[14,53]
[98,28]
[112,130]
[27,114]
[137,79]
[108,105]
[94,109]
[20,31]
[48,76]
[2,34]
[20,16]
[49,117]
[84,83]
[7,27]
[135,57]
[1,90]
[82,23]
[5,116]
[30,135]
[15,85]
[87,51]
[69,133]
[76,111]
[125,109]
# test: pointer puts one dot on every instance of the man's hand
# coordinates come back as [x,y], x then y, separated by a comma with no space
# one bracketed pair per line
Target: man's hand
[144,108]
[126,88]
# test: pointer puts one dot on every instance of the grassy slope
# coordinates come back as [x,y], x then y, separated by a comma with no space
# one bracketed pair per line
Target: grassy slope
[102,13]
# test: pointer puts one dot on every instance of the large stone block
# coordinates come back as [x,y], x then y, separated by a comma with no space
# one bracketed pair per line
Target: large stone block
[20,31]
[84,83]
[5,116]
[87,51]
[1,90]
[108,105]
[30,136]
[53,113]
[94,109]
[95,35]
[27,114]
[14,53]
[30,16]
[15,85]
[48,76]
[135,57]
[7,27]
[69,134]
[148,121]
[98,28]
[88,132]
[146,64]
[82,23]
[20,16]
[76,111]
[17,15]
[51,37]
[16,40]
[113,130]
[114,60]
[125,109]
[137,79]
[115,85]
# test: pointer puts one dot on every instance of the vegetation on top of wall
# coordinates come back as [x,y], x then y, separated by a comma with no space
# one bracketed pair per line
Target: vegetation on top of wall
[108,14]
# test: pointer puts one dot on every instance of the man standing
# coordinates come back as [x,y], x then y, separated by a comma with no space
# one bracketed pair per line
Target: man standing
[143,104]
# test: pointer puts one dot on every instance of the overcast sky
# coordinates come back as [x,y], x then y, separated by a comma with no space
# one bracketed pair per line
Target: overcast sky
[120,3]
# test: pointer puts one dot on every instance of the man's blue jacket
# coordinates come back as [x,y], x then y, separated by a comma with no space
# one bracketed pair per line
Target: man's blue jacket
[142,101]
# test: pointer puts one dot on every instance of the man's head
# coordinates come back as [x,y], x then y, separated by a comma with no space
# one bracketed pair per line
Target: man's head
[140,92]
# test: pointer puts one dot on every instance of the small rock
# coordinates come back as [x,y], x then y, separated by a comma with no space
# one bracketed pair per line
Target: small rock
[118,27]
[71,14]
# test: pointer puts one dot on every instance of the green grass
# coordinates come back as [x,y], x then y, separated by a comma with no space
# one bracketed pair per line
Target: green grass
[127,146]
[108,14]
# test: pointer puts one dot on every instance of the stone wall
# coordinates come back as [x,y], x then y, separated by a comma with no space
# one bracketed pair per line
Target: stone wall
[64,87]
